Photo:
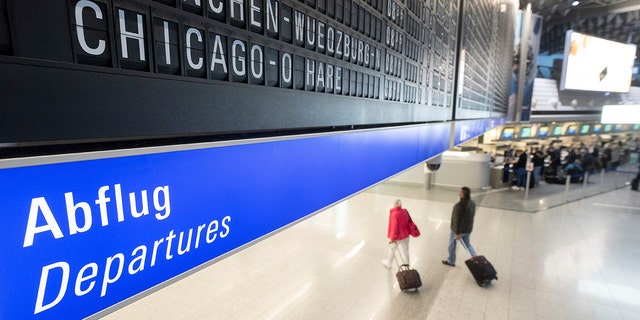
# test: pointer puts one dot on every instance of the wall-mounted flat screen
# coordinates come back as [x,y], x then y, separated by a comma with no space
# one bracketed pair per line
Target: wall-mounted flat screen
[596,64]
[507,133]
[608,127]
[557,131]
[620,113]
[571,130]
[585,129]
[597,128]
[635,127]
[617,128]
[543,132]
[525,132]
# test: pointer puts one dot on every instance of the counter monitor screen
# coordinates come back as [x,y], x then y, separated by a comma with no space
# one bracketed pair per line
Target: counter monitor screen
[597,128]
[617,128]
[571,130]
[525,132]
[585,129]
[557,131]
[608,127]
[543,131]
[507,133]
[635,127]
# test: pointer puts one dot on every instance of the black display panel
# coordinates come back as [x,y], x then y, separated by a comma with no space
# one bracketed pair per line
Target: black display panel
[486,73]
[110,70]
[5,37]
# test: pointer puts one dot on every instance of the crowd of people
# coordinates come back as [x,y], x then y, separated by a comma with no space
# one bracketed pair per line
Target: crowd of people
[554,163]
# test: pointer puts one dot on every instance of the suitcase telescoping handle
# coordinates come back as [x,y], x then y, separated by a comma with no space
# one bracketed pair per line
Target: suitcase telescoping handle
[394,248]
[465,247]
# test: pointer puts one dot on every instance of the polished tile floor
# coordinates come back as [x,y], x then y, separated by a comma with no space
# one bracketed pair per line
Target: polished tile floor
[579,260]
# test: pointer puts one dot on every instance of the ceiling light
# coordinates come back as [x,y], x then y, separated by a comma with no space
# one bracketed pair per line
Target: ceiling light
[575,3]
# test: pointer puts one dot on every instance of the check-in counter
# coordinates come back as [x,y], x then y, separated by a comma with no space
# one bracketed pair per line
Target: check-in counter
[497,175]
[460,169]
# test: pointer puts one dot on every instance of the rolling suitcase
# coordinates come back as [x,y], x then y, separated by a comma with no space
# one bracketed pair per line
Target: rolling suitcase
[481,269]
[407,278]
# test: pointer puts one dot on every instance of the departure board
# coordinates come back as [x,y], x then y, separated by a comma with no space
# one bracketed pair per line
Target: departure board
[116,69]
[484,87]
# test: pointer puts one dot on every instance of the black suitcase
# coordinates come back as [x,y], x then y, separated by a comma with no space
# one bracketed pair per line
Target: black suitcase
[407,278]
[634,184]
[481,269]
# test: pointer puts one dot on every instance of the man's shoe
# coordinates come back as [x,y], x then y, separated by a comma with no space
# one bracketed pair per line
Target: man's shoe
[447,263]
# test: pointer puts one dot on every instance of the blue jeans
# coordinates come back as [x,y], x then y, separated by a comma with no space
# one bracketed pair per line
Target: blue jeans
[522,177]
[452,246]
[537,173]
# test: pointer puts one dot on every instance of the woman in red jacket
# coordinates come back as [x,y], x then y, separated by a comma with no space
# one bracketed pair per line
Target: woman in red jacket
[398,231]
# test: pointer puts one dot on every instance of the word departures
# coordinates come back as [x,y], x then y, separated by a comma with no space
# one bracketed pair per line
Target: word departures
[110,208]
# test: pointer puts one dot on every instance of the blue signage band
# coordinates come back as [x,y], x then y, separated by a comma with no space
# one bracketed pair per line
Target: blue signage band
[83,235]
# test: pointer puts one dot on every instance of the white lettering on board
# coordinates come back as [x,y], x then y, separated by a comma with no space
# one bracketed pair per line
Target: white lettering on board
[74,208]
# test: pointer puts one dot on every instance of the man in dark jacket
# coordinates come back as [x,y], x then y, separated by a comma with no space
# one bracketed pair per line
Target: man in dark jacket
[461,225]
[520,168]
[538,165]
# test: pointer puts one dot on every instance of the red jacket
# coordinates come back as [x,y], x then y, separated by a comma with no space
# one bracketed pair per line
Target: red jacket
[398,224]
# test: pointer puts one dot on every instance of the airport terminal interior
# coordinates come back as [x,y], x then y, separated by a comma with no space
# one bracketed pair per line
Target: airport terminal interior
[306,120]
[574,260]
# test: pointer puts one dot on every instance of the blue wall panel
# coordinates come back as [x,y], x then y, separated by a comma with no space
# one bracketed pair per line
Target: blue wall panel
[469,129]
[141,220]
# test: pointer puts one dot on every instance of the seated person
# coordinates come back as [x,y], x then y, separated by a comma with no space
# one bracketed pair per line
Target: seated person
[575,171]
[574,168]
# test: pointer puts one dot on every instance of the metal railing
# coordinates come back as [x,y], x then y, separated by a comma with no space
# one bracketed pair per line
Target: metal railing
[581,185]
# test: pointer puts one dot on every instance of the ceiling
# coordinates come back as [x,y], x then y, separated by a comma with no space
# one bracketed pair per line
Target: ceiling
[559,9]
[617,20]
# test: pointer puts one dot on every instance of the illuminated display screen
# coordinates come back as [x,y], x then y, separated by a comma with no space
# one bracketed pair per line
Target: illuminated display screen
[525,132]
[597,128]
[571,130]
[557,131]
[507,133]
[543,131]
[585,129]
[596,64]
[608,127]
[617,127]
[636,127]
